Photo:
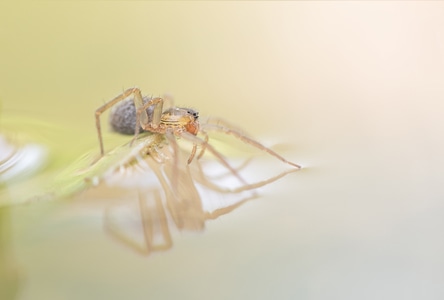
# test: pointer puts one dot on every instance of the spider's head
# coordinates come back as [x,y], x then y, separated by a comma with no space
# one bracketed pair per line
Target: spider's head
[193,124]
[181,117]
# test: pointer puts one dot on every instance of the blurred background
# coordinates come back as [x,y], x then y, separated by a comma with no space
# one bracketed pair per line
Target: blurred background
[352,90]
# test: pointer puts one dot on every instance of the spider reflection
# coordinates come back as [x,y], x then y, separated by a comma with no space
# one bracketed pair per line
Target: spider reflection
[144,219]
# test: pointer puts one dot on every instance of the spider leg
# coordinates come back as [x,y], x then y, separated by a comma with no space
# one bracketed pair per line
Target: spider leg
[239,168]
[193,153]
[182,197]
[225,210]
[152,126]
[138,102]
[202,151]
[203,179]
[248,140]
[167,97]
[196,140]
[149,217]
[224,123]
[175,174]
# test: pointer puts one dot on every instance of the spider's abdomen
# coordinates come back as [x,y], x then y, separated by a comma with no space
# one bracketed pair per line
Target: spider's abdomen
[123,116]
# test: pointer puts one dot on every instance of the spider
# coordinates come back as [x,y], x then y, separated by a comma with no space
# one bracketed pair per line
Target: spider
[159,174]
[147,115]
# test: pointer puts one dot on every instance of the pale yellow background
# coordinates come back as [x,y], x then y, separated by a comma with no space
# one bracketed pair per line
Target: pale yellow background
[355,88]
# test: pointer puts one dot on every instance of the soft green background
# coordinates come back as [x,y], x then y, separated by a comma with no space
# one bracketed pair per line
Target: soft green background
[355,87]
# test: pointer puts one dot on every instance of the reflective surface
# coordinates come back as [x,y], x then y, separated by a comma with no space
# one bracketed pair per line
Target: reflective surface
[352,91]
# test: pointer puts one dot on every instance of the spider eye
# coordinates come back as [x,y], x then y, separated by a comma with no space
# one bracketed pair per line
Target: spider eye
[194,113]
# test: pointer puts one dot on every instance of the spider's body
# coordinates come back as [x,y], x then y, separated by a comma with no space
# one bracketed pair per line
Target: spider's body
[179,119]
[123,118]
[136,113]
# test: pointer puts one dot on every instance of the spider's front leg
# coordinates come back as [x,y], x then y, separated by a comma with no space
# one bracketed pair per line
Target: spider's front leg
[244,138]
[202,149]
[138,102]
[197,141]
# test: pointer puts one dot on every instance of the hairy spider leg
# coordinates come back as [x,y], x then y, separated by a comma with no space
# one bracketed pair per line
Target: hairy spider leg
[246,140]
[198,141]
[202,150]
[192,154]
[203,178]
[152,126]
